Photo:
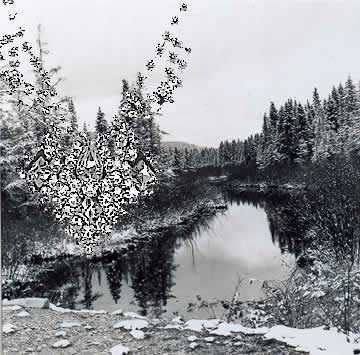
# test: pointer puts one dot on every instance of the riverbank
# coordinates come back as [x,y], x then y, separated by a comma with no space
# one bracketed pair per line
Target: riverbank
[35,326]
[130,237]
[57,331]
[238,186]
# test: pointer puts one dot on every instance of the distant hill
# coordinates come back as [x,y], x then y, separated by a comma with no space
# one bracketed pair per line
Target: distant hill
[180,145]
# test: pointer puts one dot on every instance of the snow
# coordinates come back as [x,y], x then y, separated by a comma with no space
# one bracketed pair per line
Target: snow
[61,344]
[199,325]
[191,338]
[9,328]
[132,324]
[193,345]
[119,236]
[137,334]
[119,350]
[209,339]
[65,310]
[317,341]
[177,320]
[11,308]
[133,315]
[23,314]
[60,333]
[34,302]
[226,329]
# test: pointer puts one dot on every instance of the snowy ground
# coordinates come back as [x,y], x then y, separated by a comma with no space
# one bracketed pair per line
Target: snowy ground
[59,331]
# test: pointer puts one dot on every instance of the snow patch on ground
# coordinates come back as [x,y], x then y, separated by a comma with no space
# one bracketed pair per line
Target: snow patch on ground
[11,308]
[65,310]
[198,325]
[61,344]
[119,236]
[137,334]
[133,315]
[132,324]
[191,338]
[23,314]
[119,350]
[9,328]
[226,329]
[317,341]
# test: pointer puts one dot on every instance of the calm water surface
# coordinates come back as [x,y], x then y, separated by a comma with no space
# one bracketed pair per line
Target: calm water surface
[237,243]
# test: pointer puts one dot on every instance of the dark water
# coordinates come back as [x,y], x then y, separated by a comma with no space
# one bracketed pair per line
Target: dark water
[166,277]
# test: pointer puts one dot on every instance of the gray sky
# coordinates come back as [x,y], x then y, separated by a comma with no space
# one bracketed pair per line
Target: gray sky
[244,54]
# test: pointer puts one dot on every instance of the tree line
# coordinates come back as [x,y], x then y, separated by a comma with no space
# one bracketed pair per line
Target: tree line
[293,133]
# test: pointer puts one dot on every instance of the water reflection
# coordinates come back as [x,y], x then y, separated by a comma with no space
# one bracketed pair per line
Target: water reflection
[165,273]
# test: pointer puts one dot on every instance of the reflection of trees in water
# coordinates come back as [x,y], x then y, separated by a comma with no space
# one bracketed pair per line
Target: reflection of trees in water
[115,271]
[286,225]
[326,215]
[61,284]
[150,269]
[88,269]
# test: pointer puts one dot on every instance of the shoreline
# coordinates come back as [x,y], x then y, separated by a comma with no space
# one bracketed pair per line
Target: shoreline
[55,330]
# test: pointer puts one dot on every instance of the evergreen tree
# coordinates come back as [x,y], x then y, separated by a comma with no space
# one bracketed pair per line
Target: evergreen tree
[187,158]
[73,117]
[178,159]
[101,123]
[302,136]
[321,129]
[86,130]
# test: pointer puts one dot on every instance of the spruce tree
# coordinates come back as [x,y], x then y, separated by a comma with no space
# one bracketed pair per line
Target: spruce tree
[100,124]
[74,125]
[178,159]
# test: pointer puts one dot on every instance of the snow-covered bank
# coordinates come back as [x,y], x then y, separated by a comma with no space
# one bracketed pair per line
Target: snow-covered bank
[238,186]
[121,240]
[100,332]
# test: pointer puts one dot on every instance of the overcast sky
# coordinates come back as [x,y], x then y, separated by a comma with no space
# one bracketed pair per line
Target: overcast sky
[244,54]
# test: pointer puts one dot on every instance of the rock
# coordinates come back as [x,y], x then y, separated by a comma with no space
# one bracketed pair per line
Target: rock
[28,302]
[69,324]
[11,308]
[119,350]
[132,324]
[118,312]
[209,339]
[192,338]
[61,344]
[137,334]
[9,328]
[23,314]
[60,333]
[193,345]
